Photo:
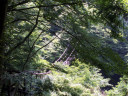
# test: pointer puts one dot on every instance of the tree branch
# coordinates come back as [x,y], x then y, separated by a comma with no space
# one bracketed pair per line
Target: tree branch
[20,43]
[100,52]
[45,45]
[31,51]
[69,56]
[61,55]
[21,3]
[74,3]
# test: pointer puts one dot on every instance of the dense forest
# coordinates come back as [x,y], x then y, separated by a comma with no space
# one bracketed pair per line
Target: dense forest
[64,48]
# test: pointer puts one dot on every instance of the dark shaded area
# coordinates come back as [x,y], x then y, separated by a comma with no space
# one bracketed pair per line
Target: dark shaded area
[114,79]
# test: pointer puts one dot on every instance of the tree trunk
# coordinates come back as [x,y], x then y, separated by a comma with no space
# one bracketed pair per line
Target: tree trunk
[3,10]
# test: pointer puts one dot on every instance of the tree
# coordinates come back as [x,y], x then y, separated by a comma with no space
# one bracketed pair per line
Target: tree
[4,4]
[28,24]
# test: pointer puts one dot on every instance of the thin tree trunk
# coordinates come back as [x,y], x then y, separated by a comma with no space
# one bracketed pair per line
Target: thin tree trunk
[3,5]
[3,9]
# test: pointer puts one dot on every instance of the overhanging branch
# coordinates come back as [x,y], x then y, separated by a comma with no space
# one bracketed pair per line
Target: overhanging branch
[41,6]
[21,3]
[20,43]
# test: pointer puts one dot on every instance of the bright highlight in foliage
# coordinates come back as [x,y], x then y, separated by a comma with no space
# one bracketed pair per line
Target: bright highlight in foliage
[125,4]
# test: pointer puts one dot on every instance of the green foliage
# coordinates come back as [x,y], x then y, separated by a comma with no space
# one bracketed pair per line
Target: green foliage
[121,89]
[75,20]
[37,31]
[125,5]
[83,80]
